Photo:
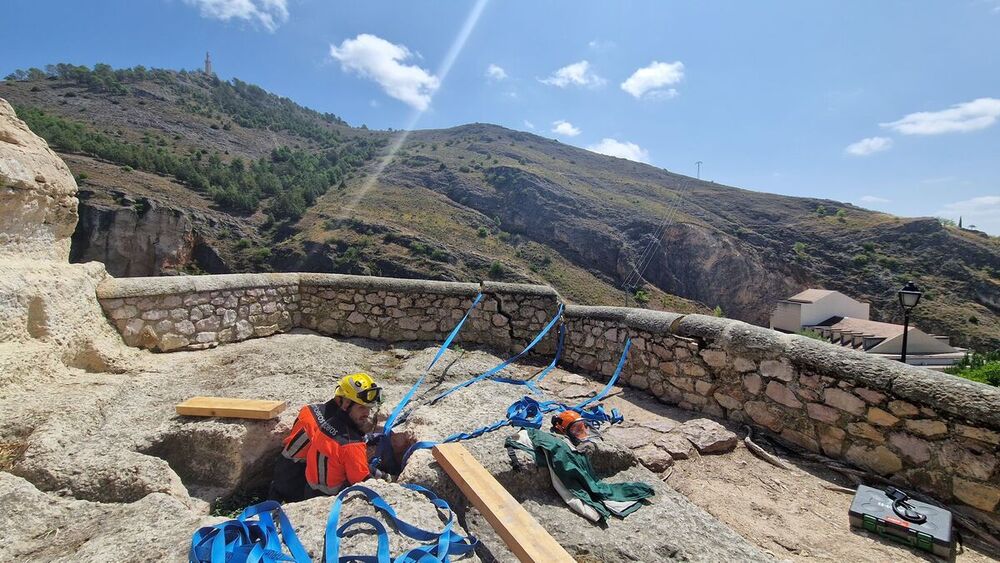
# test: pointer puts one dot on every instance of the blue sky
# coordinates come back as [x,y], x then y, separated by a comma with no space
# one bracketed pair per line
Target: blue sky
[892,105]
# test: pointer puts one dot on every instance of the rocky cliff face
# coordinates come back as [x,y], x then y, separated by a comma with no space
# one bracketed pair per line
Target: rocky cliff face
[50,321]
[703,264]
[141,237]
[38,207]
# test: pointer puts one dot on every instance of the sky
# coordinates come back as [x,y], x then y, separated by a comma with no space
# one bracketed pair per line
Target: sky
[891,105]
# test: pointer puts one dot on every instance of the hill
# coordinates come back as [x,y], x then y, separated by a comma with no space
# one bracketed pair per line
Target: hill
[182,172]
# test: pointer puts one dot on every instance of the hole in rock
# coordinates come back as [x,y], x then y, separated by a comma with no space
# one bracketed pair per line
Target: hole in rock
[89,359]
[10,452]
[223,463]
[38,321]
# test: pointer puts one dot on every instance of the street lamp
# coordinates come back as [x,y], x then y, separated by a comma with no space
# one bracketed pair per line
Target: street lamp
[909,296]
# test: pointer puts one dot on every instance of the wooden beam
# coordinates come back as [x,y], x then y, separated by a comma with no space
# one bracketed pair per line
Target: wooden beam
[231,408]
[525,537]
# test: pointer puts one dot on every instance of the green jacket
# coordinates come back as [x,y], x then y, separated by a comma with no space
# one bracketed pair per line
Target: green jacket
[576,476]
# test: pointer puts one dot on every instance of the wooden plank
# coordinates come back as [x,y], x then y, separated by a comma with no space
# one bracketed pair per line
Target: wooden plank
[525,537]
[231,408]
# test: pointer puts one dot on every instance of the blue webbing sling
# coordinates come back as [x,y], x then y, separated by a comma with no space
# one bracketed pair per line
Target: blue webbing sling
[503,365]
[383,450]
[536,380]
[529,413]
[441,545]
[247,540]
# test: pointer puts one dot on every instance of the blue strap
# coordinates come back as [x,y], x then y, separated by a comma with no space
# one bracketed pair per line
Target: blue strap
[383,448]
[445,542]
[247,540]
[444,346]
[502,365]
[612,381]
[535,381]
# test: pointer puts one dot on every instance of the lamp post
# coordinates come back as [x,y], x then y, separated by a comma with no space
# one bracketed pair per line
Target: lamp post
[909,296]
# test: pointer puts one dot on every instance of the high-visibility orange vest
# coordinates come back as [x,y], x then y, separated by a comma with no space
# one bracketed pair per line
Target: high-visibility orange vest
[333,449]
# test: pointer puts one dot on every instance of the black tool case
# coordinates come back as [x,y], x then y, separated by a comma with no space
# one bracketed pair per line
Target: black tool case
[892,514]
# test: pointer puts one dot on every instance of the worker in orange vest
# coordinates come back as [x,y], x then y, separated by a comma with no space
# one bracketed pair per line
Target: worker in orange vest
[326,450]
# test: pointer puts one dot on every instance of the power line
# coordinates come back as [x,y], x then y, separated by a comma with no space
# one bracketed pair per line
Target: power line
[646,257]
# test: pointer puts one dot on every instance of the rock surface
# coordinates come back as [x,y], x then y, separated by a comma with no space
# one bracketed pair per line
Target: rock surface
[37,194]
[708,436]
[118,441]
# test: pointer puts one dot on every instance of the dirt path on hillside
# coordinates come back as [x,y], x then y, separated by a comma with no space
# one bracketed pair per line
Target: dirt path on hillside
[789,514]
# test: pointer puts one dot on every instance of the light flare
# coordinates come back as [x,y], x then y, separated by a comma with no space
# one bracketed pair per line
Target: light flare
[457,45]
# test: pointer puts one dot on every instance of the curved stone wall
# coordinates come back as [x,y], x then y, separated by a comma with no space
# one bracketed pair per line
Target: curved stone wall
[193,312]
[930,431]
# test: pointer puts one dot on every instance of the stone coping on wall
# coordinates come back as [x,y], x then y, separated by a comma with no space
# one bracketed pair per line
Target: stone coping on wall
[501,288]
[641,319]
[120,288]
[396,285]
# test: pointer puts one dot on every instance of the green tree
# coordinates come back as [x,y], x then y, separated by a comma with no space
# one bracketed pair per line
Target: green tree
[641,296]
[496,270]
[800,249]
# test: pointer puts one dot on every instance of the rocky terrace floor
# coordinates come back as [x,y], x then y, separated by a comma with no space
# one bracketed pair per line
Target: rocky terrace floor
[90,437]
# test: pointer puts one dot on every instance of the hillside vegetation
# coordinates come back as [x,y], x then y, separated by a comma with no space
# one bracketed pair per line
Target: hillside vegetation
[264,184]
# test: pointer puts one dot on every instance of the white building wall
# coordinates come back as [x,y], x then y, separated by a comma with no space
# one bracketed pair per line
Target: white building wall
[833,305]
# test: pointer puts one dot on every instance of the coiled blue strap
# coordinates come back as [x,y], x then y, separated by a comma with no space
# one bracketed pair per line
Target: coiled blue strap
[246,540]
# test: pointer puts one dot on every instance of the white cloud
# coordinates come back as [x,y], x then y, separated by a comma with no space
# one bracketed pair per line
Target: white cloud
[650,80]
[529,124]
[268,13]
[495,72]
[873,199]
[565,128]
[601,45]
[982,211]
[959,118]
[868,146]
[379,60]
[621,149]
[576,74]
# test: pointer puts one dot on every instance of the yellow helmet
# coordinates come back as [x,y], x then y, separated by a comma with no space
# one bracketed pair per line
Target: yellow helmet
[360,388]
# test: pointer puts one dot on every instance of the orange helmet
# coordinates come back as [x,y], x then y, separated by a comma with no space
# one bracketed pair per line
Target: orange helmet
[562,422]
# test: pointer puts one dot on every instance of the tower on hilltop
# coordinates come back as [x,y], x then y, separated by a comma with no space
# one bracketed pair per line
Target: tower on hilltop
[208,64]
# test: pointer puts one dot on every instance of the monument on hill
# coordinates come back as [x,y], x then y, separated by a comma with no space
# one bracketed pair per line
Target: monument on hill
[208,64]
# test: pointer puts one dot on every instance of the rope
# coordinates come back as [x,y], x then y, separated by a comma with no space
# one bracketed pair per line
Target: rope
[646,258]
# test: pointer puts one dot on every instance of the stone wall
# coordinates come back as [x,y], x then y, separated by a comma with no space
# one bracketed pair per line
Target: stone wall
[194,312]
[930,431]
[934,432]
